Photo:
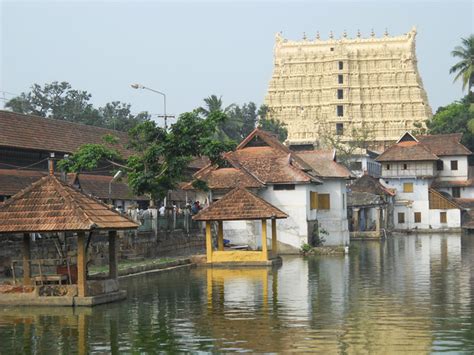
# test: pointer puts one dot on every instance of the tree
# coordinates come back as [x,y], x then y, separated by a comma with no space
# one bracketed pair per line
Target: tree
[160,156]
[360,138]
[271,124]
[457,117]
[59,101]
[465,67]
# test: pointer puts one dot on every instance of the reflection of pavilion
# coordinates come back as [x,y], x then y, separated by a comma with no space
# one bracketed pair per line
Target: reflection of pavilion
[237,205]
[51,206]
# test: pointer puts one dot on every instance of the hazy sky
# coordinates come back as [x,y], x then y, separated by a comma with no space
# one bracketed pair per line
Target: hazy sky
[192,49]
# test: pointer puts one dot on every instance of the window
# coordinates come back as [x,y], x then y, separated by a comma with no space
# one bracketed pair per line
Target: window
[339,129]
[401,217]
[340,110]
[340,94]
[443,218]
[324,202]
[284,187]
[313,200]
[387,166]
[405,167]
[340,79]
[417,217]
[454,165]
[439,165]
[355,165]
[341,65]
[456,191]
[408,187]
[332,49]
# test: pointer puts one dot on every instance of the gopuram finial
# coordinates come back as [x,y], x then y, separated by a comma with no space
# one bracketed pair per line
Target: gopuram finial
[386,32]
[318,37]
[372,34]
[331,36]
[344,34]
[304,36]
[358,33]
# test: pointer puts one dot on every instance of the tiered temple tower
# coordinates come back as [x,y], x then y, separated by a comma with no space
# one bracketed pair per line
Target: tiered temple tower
[331,87]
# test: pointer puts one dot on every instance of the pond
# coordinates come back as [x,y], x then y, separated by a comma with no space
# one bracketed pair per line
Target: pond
[407,294]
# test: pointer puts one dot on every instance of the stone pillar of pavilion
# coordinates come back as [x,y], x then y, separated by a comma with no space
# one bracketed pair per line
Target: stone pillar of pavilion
[26,259]
[355,217]
[220,236]
[274,238]
[113,255]
[377,220]
[264,240]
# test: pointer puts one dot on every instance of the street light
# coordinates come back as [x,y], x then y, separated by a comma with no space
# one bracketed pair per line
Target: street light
[117,175]
[140,86]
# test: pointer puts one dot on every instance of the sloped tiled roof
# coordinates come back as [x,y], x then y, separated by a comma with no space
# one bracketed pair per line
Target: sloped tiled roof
[452,183]
[13,181]
[239,204]
[369,184]
[444,144]
[407,151]
[323,163]
[46,134]
[224,178]
[50,205]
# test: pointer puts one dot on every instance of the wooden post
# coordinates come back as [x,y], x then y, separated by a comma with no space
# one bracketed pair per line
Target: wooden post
[113,255]
[81,264]
[208,242]
[264,240]
[274,238]
[220,236]
[26,259]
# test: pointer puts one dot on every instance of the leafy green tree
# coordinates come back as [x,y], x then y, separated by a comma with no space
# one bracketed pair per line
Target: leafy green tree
[159,157]
[465,67]
[59,101]
[271,124]
[457,117]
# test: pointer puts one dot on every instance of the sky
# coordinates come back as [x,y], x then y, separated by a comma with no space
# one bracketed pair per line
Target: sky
[192,49]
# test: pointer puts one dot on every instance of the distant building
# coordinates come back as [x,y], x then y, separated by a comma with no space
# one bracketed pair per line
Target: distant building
[423,171]
[308,186]
[362,161]
[26,142]
[337,85]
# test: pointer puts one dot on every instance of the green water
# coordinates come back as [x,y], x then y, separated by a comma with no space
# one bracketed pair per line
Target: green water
[410,294]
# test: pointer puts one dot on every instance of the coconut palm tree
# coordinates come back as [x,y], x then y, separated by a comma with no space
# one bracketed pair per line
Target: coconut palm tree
[465,67]
[213,103]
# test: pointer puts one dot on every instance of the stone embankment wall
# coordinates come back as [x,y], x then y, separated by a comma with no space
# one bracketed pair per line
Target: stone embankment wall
[132,246]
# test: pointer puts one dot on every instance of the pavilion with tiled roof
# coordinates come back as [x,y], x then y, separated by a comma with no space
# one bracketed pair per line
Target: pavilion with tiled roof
[52,206]
[237,205]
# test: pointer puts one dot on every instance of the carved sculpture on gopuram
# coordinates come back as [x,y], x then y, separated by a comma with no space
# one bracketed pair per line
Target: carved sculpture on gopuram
[341,87]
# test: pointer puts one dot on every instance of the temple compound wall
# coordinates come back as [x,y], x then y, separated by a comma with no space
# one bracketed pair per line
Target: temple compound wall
[322,88]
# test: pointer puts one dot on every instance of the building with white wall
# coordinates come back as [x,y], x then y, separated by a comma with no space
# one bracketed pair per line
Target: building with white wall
[292,182]
[421,170]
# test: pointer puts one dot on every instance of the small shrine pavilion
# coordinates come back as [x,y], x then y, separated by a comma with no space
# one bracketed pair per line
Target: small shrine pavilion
[237,205]
[52,206]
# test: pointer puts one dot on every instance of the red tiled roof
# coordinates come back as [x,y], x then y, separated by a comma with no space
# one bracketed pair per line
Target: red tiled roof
[323,163]
[13,181]
[224,178]
[407,151]
[98,186]
[452,183]
[369,184]
[428,147]
[46,134]
[49,205]
[239,204]
[444,144]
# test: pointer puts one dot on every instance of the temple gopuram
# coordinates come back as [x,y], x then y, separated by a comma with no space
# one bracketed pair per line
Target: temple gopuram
[332,87]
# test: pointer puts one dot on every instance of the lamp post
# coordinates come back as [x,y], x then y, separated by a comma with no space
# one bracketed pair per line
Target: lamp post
[140,86]
[117,175]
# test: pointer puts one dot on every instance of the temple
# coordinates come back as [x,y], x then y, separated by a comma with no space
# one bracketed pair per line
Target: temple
[334,87]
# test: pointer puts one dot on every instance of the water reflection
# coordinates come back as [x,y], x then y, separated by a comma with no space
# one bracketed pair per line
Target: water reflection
[410,293]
